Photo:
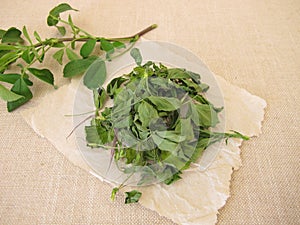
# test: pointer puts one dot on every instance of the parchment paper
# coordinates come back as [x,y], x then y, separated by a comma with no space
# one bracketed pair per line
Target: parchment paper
[197,197]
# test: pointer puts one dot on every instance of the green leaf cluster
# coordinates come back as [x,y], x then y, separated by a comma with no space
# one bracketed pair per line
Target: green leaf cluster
[25,50]
[132,196]
[159,124]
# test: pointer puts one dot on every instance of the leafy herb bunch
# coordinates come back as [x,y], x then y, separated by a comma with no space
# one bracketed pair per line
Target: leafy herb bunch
[17,47]
[159,124]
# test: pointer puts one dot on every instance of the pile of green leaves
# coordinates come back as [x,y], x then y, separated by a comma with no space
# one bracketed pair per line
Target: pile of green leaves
[159,124]
[17,47]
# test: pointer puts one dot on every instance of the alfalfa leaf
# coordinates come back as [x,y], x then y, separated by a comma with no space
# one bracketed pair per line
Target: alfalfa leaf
[20,88]
[12,35]
[87,48]
[95,75]
[78,66]
[71,54]
[165,103]
[146,113]
[54,14]
[135,53]
[43,74]
[61,30]
[8,95]
[58,56]
[132,196]
[107,46]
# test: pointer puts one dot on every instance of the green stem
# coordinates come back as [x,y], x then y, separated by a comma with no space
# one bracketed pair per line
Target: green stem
[135,36]
[123,183]
[88,37]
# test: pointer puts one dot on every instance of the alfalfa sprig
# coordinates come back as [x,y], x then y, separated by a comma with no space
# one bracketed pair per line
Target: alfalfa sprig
[19,48]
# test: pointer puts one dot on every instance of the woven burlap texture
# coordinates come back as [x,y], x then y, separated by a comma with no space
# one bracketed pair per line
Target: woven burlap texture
[253,44]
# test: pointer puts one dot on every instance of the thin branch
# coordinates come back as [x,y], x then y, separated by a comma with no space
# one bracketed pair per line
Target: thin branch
[72,131]
[137,35]
[84,39]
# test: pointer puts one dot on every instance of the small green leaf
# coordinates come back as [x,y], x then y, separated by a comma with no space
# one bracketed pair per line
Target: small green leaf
[20,88]
[195,76]
[177,73]
[113,193]
[53,16]
[96,97]
[8,95]
[28,82]
[171,135]
[202,144]
[146,113]
[61,30]
[135,53]
[78,66]
[43,74]
[12,35]
[95,75]
[236,134]
[58,45]
[194,87]
[184,126]
[118,44]
[24,30]
[27,56]
[73,27]
[164,144]
[132,196]
[37,37]
[107,46]
[92,135]
[87,48]
[203,87]
[98,135]
[71,54]
[114,85]
[10,77]
[173,178]
[205,114]
[177,162]
[165,103]
[2,32]
[58,56]
[73,44]
[100,97]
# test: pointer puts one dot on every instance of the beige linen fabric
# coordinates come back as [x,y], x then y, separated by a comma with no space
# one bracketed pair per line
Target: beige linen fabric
[253,44]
